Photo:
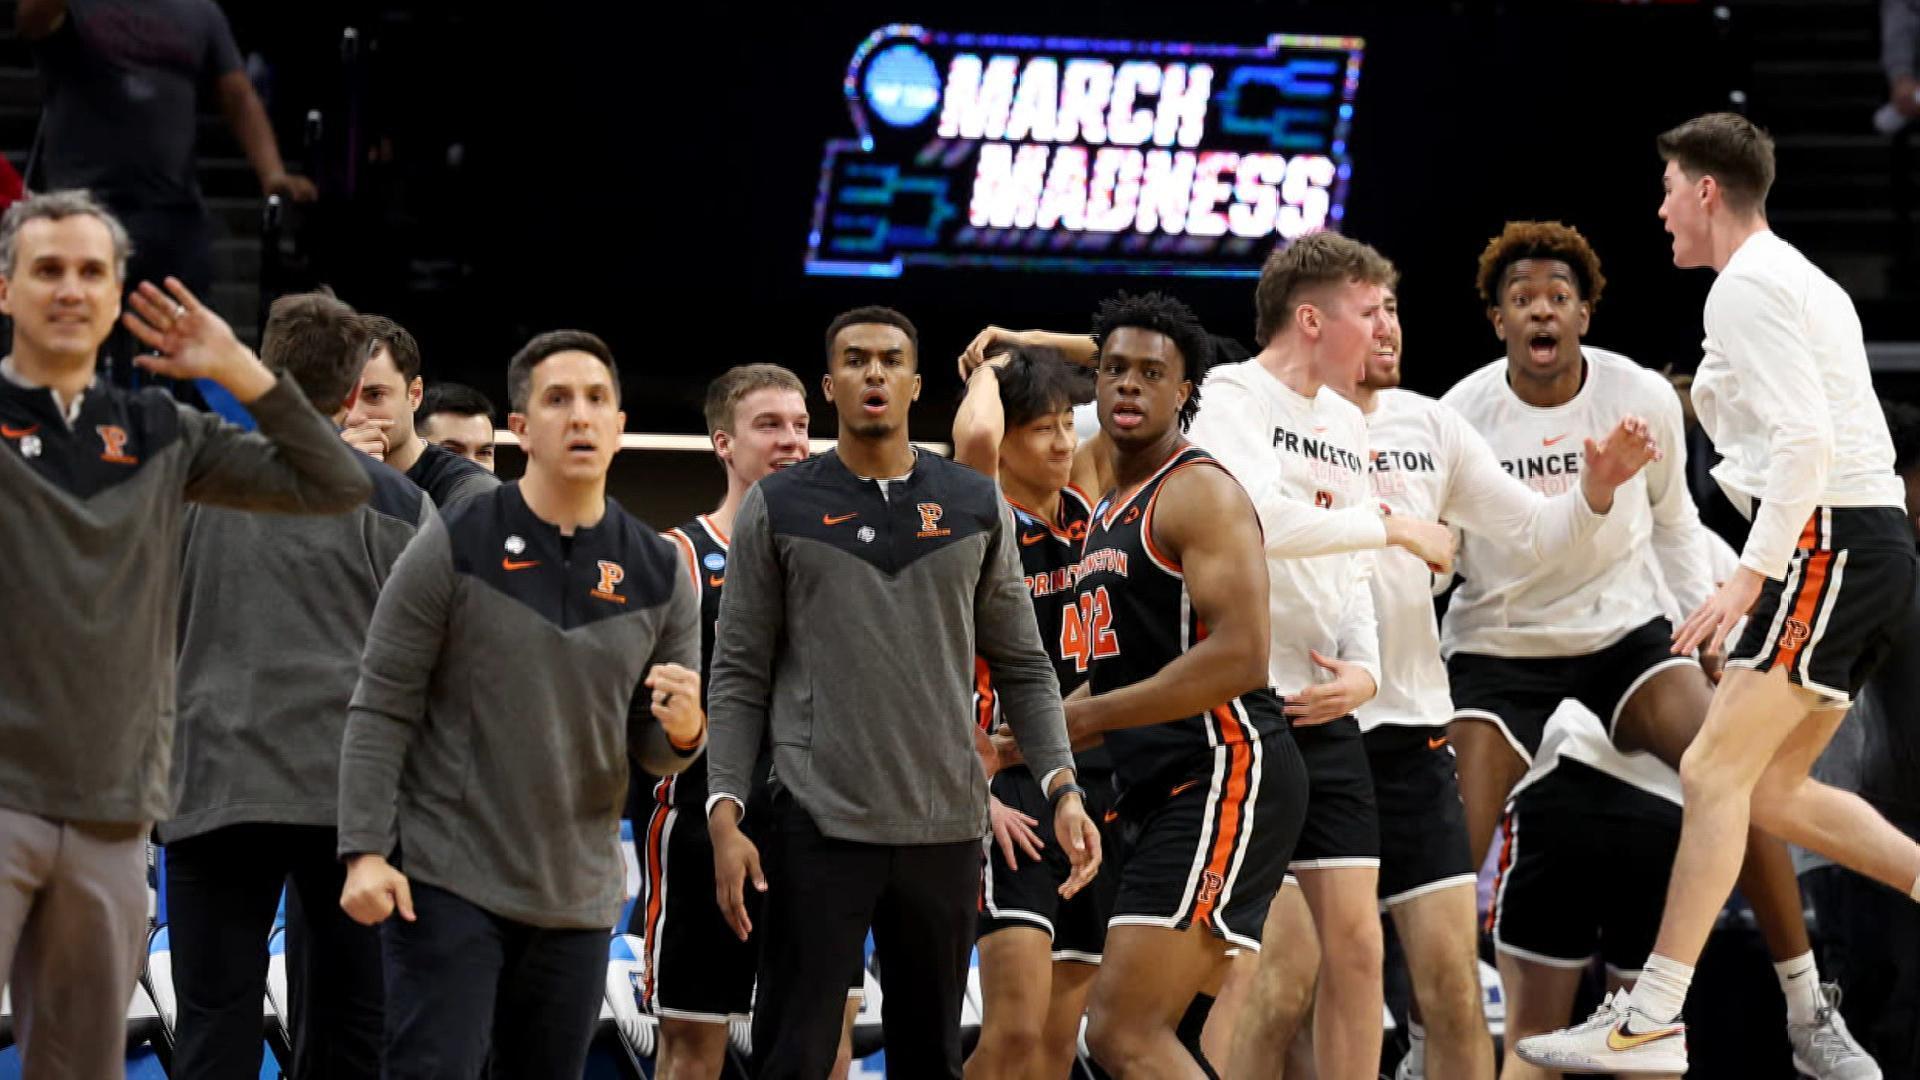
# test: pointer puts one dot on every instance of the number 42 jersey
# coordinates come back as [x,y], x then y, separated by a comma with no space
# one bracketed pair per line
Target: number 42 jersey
[1136,617]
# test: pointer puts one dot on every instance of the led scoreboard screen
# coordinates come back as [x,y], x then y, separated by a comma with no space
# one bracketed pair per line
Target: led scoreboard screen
[1074,154]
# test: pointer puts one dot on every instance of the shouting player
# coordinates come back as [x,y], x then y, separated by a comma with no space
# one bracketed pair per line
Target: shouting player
[1785,393]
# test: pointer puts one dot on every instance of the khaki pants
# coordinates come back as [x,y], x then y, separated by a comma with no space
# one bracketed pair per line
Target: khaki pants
[73,929]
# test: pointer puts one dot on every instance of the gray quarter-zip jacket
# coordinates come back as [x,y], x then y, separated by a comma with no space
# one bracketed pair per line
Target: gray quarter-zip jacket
[499,699]
[273,619]
[90,569]
[848,631]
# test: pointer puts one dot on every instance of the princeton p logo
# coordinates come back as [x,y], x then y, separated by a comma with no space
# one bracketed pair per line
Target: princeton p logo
[1210,886]
[930,521]
[113,445]
[1795,634]
[611,575]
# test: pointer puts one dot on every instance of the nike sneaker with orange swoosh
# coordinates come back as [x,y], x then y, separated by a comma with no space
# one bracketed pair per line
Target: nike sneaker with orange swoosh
[1615,1039]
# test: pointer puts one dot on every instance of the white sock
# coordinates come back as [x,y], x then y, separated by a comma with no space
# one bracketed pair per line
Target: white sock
[1662,989]
[1800,983]
[1417,1034]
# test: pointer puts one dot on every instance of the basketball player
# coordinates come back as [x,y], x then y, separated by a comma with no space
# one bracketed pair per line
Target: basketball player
[1522,634]
[273,618]
[699,975]
[862,585]
[1174,637]
[505,682]
[1785,394]
[459,419]
[1428,464]
[95,481]
[1038,953]
[1582,804]
[1302,453]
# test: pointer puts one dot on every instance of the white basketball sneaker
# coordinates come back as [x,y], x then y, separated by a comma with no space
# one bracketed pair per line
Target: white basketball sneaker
[1615,1039]
[1825,1049]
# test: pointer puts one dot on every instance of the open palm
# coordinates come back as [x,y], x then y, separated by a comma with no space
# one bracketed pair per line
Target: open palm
[192,341]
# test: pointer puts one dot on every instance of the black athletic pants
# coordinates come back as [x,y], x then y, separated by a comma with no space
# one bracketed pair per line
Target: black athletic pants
[822,896]
[463,982]
[223,888]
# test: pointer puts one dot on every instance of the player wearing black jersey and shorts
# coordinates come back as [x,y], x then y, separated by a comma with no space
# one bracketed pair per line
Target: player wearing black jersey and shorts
[1038,952]
[698,974]
[1172,628]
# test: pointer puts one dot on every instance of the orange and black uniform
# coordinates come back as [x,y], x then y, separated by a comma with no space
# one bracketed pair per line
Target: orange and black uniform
[1029,895]
[1213,802]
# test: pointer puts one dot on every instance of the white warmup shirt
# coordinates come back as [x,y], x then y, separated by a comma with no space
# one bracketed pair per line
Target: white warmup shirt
[1785,394]
[1303,462]
[1515,604]
[1428,464]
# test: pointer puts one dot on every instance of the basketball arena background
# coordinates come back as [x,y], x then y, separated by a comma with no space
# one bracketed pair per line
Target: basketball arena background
[707,184]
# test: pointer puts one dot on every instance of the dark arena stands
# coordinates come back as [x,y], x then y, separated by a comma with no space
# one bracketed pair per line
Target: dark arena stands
[464,618]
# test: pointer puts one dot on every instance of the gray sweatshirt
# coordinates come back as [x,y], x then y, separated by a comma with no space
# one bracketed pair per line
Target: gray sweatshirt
[499,698]
[90,569]
[848,631]
[273,618]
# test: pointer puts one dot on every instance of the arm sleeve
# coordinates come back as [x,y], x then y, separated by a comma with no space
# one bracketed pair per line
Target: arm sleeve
[1230,427]
[677,643]
[1007,638]
[403,648]
[470,483]
[1485,499]
[1359,632]
[222,52]
[1679,540]
[1755,324]
[295,464]
[752,612]
[1899,36]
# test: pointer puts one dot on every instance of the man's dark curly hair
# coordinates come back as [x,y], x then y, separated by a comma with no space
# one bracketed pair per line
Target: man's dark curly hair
[1540,240]
[1162,314]
[1039,381]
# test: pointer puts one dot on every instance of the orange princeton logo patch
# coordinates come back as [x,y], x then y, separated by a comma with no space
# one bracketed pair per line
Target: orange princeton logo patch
[930,521]
[113,443]
[611,575]
[1795,633]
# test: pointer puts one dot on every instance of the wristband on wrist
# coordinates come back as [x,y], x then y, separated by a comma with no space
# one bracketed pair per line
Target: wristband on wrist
[699,737]
[1064,790]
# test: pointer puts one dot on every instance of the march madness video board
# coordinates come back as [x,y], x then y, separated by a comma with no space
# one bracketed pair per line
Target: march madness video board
[1083,155]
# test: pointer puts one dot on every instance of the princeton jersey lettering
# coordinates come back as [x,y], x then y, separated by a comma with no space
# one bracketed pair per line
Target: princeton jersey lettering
[1136,618]
[1049,553]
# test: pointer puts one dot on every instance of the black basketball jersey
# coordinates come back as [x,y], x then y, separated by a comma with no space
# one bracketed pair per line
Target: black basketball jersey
[1048,551]
[1134,618]
[703,547]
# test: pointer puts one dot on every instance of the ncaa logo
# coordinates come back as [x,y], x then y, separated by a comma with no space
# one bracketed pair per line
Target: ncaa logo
[714,561]
[1795,633]
[1210,886]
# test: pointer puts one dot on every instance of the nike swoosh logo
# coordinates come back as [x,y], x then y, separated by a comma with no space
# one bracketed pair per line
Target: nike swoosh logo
[511,564]
[1550,442]
[835,519]
[1110,816]
[716,580]
[1435,744]
[1182,787]
[1030,540]
[1620,1039]
[12,432]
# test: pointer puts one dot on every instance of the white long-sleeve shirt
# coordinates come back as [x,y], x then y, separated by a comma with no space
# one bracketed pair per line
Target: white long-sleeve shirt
[1303,462]
[1429,464]
[1512,602]
[1785,393]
